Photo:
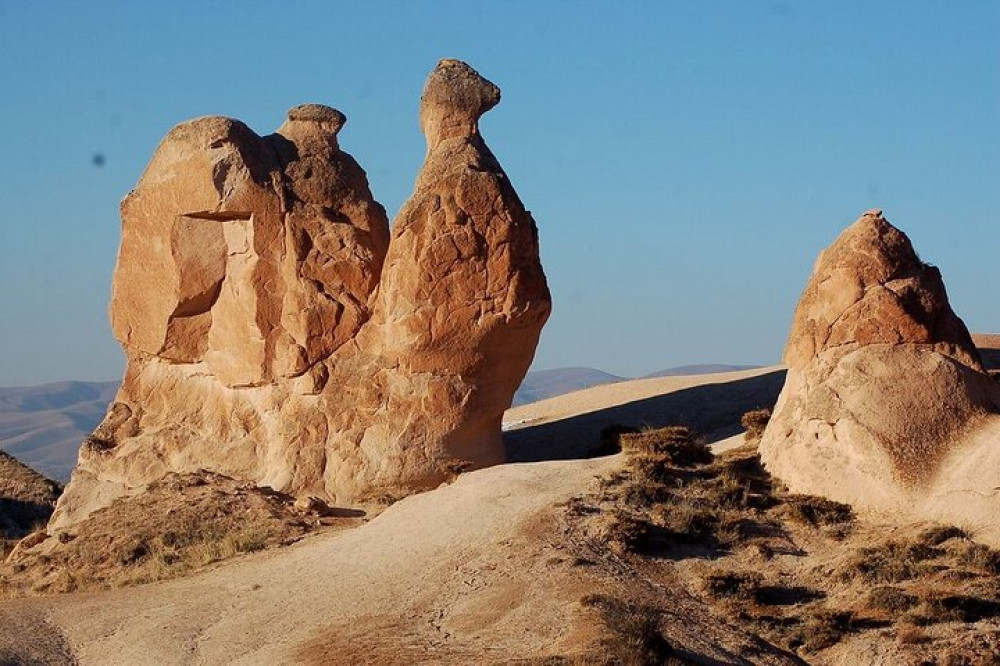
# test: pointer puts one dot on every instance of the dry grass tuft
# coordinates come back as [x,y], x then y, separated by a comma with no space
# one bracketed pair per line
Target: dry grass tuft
[938,534]
[754,422]
[674,445]
[632,632]
[890,600]
[181,523]
[624,533]
[891,562]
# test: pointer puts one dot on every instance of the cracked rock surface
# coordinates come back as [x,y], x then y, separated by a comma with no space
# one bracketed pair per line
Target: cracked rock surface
[275,333]
[886,404]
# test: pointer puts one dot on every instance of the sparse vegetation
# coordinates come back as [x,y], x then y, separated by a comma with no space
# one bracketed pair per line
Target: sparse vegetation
[890,600]
[182,523]
[722,519]
[891,562]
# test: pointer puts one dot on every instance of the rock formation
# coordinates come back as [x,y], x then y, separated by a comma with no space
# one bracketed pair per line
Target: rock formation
[274,334]
[886,404]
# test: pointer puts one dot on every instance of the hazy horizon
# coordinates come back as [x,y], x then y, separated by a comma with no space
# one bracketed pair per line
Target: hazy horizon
[684,164]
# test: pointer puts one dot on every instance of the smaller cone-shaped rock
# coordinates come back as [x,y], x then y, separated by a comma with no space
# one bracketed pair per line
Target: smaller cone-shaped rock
[886,397]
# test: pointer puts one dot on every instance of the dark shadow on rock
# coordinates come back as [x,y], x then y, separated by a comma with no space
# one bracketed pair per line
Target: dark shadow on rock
[713,410]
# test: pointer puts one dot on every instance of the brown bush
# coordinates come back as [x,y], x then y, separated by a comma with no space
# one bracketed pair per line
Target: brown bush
[817,511]
[632,632]
[937,535]
[891,562]
[754,422]
[981,557]
[673,443]
[890,600]
[625,533]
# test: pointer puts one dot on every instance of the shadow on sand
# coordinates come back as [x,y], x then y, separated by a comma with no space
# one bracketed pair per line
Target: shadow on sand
[712,410]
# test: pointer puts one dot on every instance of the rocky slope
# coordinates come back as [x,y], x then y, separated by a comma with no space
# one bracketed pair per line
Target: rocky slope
[26,501]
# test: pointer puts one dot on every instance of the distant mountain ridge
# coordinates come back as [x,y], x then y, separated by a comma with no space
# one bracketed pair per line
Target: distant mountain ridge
[702,369]
[542,384]
[43,426]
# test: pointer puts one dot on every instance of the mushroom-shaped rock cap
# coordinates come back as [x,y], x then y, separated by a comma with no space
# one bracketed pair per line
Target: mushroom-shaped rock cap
[318,113]
[313,126]
[454,98]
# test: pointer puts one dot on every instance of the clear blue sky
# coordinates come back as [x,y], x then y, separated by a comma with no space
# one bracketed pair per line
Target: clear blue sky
[685,161]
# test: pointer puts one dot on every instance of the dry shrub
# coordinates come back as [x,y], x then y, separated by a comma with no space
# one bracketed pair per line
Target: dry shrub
[938,534]
[981,558]
[674,444]
[941,606]
[817,511]
[890,600]
[824,629]
[733,585]
[891,562]
[754,422]
[632,632]
[909,634]
[625,533]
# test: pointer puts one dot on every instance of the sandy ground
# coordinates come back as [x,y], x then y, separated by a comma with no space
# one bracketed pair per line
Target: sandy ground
[474,572]
[569,426]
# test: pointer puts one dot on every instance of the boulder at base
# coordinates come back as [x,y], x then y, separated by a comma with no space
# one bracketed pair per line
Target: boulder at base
[886,405]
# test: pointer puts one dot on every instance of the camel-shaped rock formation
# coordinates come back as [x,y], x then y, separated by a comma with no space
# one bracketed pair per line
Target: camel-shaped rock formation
[886,405]
[275,334]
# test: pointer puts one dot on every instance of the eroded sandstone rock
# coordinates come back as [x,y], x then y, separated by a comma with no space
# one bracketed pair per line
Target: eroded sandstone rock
[886,395]
[273,332]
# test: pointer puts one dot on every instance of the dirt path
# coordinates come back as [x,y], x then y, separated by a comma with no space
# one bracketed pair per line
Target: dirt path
[27,639]
[454,571]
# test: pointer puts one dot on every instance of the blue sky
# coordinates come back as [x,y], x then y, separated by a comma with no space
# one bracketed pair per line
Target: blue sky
[685,161]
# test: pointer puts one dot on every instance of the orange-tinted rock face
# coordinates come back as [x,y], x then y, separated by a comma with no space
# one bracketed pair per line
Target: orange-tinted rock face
[275,334]
[885,389]
[871,288]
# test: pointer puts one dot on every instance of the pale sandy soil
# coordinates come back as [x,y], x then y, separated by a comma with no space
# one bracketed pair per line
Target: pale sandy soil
[479,571]
[569,426]
[608,396]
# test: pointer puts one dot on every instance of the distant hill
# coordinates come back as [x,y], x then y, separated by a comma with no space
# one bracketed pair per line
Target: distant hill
[43,426]
[542,384]
[704,369]
[26,499]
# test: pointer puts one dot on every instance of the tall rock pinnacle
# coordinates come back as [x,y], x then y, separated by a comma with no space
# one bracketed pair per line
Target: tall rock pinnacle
[275,334]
